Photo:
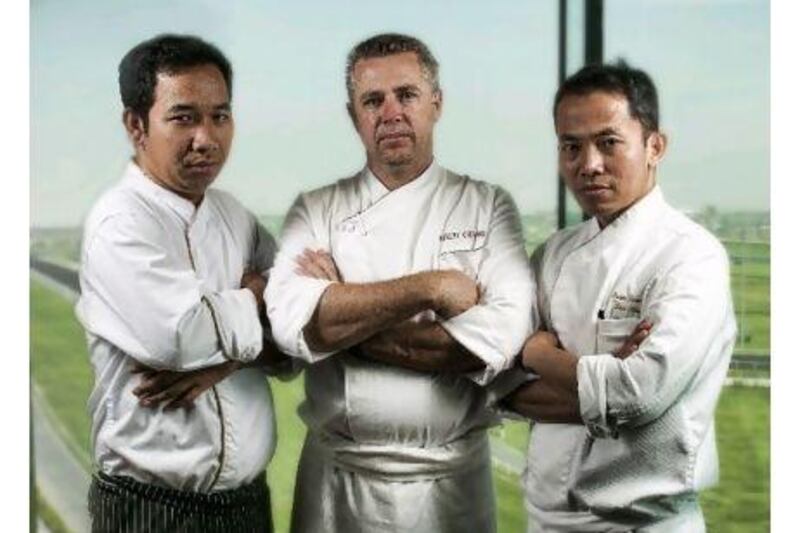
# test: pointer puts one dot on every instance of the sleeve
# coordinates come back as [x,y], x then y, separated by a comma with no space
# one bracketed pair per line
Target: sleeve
[692,337]
[496,329]
[151,305]
[292,298]
[264,249]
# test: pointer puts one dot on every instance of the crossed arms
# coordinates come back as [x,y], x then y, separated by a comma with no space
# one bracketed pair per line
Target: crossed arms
[373,319]
[553,397]
[433,321]
[687,334]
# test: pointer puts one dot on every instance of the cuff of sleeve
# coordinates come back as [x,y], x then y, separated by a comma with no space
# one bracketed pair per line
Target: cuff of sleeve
[592,395]
[471,331]
[239,330]
[503,385]
[312,292]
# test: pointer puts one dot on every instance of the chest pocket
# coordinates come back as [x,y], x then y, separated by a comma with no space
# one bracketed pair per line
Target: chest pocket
[612,332]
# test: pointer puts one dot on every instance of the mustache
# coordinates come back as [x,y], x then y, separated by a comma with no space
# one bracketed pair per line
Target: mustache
[193,161]
[391,130]
[396,135]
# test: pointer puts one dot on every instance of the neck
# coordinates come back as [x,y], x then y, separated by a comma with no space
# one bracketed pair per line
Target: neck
[152,176]
[605,220]
[395,176]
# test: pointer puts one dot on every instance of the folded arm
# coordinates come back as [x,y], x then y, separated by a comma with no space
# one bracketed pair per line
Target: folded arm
[146,299]
[175,389]
[349,316]
[422,346]
[690,342]
[553,397]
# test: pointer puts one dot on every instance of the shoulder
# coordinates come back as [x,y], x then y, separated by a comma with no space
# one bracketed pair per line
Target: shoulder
[483,191]
[688,239]
[322,198]
[120,208]
[465,181]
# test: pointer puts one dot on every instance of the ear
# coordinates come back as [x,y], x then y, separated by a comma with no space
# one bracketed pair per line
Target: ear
[134,125]
[351,112]
[438,102]
[656,148]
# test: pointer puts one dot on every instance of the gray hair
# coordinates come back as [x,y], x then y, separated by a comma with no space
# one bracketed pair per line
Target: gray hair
[387,44]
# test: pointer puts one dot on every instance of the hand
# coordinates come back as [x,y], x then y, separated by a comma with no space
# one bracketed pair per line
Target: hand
[178,389]
[637,336]
[256,283]
[317,264]
[539,343]
[454,293]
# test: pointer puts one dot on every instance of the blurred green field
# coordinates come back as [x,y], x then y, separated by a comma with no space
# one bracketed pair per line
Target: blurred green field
[740,503]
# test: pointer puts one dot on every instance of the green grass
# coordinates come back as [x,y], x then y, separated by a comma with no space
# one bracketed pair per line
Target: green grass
[511,516]
[59,361]
[514,433]
[49,516]
[291,432]
[740,503]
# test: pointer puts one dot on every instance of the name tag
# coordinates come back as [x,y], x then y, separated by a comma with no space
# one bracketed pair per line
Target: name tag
[462,240]
[623,306]
[466,234]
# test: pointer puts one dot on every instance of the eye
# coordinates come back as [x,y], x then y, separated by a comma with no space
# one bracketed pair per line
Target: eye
[182,118]
[608,143]
[406,95]
[372,102]
[222,117]
[569,148]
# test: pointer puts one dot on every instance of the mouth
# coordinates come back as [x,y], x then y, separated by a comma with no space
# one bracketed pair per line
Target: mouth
[200,165]
[395,136]
[206,169]
[595,187]
[595,191]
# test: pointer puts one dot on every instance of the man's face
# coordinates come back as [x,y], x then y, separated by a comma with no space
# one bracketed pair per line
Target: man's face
[603,156]
[190,128]
[394,109]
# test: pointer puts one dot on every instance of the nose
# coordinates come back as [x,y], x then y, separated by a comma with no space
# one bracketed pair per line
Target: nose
[205,137]
[391,110]
[590,161]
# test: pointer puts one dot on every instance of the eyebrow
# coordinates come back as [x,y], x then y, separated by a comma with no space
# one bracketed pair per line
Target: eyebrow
[177,108]
[601,133]
[607,131]
[406,87]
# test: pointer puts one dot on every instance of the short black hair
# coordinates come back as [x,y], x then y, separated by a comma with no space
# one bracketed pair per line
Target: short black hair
[388,44]
[617,78]
[168,53]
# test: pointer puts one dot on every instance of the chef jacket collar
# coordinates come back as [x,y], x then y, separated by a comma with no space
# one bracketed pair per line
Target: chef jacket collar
[378,190]
[648,207]
[644,209]
[184,208]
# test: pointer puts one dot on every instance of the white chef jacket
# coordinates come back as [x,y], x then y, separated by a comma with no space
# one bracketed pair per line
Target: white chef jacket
[381,421]
[160,285]
[648,443]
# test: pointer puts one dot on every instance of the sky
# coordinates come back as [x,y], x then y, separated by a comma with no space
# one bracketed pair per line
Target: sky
[710,60]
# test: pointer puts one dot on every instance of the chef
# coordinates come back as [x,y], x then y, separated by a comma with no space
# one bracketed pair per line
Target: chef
[637,329]
[406,289]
